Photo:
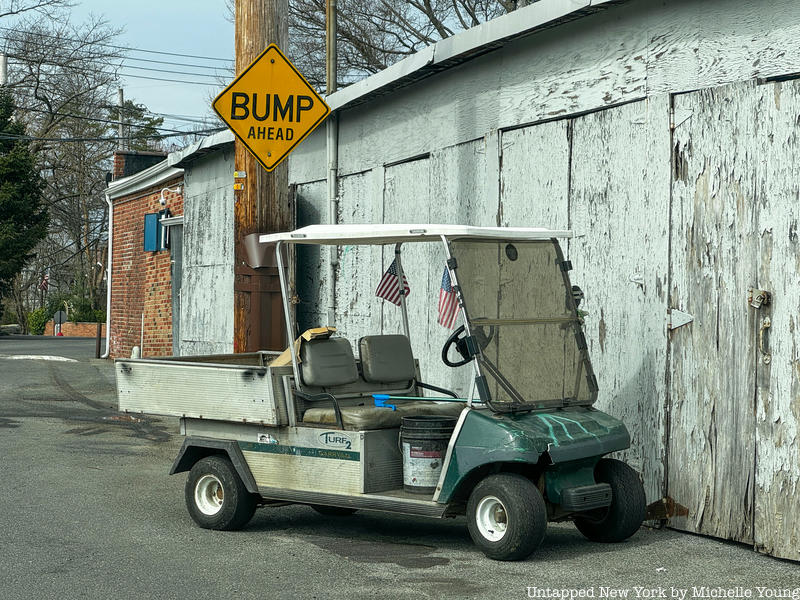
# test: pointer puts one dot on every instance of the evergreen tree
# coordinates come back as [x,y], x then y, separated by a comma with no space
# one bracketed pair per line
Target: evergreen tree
[23,218]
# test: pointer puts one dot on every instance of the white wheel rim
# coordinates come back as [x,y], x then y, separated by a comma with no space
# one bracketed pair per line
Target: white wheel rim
[209,495]
[491,518]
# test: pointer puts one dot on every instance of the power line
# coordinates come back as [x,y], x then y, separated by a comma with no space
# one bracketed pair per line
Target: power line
[117,75]
[180,64]
[188,118]
[73,116]
[128,48]
[206,83]
[29,138]
[166,71]
[25,60]
[167,116]
[215,71]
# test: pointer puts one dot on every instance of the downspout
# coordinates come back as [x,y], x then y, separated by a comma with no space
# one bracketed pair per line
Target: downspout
[108,275]
[332,142]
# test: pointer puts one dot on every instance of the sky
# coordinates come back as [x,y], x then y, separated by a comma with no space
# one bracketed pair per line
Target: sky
[191,27]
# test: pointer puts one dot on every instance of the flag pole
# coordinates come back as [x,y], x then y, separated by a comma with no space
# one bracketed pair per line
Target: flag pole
[402,289]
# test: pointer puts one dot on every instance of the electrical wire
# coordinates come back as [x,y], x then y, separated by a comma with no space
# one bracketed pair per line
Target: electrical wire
[167,116]
[128,48]
[108,121]
[121,66]
[205,83]
[117,75]
[29,138]
[180,64]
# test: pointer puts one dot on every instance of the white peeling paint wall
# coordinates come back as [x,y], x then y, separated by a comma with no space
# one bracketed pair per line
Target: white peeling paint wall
[207,283]
[684,217]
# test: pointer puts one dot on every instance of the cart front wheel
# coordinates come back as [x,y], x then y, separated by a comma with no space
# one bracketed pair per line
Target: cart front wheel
[624,516]
[506,516]
[216,496]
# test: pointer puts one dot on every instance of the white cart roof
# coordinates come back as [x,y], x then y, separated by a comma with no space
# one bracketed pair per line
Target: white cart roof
[392,234]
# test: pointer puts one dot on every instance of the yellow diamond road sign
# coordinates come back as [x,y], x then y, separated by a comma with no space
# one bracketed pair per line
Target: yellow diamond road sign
[271,107]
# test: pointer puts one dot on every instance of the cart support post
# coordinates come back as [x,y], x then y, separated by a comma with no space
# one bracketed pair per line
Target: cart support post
[402,290]
[287,314]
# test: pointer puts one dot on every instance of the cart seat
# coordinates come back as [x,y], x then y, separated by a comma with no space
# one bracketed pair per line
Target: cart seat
[361,418]
[386,361]
[327,363]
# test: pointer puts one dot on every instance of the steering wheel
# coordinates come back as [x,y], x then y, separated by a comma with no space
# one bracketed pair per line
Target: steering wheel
[461,348]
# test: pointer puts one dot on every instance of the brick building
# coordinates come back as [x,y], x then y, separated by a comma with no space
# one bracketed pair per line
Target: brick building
[149,306]
[148,197]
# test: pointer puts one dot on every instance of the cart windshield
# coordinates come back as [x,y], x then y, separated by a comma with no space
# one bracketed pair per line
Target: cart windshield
[520,308]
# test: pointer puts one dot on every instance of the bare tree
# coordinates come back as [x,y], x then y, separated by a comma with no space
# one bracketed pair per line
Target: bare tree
[62,77]
[373,34]
[64,80]
[58,70]
[10,8]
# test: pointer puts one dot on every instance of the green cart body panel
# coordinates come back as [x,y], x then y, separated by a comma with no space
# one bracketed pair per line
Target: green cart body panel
[566,442]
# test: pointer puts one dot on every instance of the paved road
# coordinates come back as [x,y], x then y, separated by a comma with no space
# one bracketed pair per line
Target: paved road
[87,510]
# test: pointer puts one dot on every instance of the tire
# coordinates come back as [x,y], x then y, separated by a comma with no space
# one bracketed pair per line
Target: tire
[333,511]
[506,516]
[624,516]
[216,497]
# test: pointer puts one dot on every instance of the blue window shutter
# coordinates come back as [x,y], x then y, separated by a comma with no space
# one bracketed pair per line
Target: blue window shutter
[151,237]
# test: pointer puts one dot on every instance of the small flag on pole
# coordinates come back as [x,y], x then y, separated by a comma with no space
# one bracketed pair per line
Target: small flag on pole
[45,282]
[388,288]
[448,302]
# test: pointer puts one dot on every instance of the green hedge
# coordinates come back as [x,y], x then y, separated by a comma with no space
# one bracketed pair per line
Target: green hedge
[37,319]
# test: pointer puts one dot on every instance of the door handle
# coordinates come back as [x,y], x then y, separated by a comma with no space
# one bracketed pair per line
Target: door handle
[766,323]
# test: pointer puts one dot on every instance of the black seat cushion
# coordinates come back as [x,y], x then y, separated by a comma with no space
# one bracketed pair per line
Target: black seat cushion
[386,358]
[327,363]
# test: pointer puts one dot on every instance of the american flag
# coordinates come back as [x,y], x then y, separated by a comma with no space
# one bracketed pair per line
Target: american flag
[45,282]
[448,302]
[388,288]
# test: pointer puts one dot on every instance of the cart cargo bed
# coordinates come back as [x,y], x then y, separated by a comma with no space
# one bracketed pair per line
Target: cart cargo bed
[226,387]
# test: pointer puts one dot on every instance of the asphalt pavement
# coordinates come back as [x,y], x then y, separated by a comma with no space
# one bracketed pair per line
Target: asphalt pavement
[87,510]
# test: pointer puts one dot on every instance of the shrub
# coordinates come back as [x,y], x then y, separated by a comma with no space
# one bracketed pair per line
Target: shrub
[37,319]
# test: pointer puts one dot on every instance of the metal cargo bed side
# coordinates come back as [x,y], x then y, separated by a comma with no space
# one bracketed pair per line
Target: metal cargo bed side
[205,389]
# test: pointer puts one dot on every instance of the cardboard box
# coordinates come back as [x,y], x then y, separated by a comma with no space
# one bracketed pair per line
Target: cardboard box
[317,333]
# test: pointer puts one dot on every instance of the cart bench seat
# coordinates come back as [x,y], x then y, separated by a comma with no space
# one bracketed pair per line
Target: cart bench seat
[361,418]
[387,365]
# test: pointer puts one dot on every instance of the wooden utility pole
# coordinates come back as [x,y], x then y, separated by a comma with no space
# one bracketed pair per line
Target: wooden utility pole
[263,206]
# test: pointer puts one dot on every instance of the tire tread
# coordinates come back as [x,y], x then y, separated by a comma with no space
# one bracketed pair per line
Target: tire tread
[628,505]
[526,511]
[239,505]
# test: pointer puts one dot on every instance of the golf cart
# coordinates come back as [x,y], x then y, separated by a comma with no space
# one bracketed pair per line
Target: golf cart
[506,434]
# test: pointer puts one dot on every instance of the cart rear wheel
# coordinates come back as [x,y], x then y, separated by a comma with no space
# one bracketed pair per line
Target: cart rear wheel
[216,497]
[624,516]
[333,511]
[506,516]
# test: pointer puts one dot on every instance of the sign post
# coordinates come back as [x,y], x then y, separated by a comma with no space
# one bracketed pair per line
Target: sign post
[270,108]
[58,320]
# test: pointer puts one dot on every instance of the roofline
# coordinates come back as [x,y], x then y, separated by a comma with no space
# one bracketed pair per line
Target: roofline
[182,158]
[169,168]
[142,180]
[464,46]
[366,233]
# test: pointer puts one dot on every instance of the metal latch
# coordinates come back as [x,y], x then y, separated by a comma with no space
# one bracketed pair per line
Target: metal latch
[758,298]
[766,323]
[677,318]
